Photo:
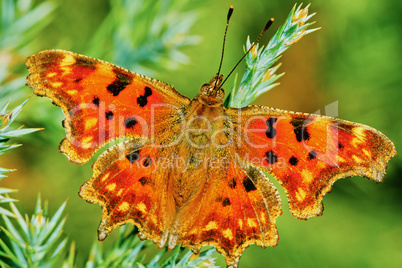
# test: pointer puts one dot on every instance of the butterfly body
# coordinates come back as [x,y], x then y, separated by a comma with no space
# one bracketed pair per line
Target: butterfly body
[191,171]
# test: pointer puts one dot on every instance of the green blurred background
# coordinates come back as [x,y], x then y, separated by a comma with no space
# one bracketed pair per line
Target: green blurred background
[355,59]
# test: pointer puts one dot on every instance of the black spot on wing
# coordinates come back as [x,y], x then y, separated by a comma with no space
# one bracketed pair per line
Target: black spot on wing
[130,122]
[226,202]
[293,161]
[143,99]
[300,129]
[271,131]
[312,155]
[109,115]
[248,185]
[120,83]
[133,157]
[271,157]
[96,101]
[148,92]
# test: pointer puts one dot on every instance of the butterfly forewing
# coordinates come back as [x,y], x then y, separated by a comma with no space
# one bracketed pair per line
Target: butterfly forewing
[102,102]
[308,153]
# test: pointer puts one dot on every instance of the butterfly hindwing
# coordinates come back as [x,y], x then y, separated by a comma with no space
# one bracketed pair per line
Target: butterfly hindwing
[102,102]
[308,153]
[130,187]
[239,209]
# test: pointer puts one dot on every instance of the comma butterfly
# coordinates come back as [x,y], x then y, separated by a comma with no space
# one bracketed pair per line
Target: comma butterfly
[192,171]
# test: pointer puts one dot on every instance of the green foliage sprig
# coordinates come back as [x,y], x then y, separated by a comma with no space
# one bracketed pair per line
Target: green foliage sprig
[127,252]
[20,22]
[146,35]
[6,133]
[35,242]
[260,76]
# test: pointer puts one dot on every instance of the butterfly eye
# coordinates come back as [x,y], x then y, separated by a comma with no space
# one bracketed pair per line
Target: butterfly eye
[205,89]
[220,94]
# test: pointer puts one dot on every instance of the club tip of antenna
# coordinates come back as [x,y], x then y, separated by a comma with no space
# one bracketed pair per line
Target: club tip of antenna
[269,23]
[230,12]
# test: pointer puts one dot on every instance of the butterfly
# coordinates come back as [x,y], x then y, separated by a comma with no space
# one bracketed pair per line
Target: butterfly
[192,172]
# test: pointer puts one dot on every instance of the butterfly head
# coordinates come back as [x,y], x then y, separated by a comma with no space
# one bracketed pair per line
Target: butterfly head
[211,93]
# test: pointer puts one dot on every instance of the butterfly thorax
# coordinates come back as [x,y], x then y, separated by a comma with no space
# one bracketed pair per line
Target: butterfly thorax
[207,137]
[206,121]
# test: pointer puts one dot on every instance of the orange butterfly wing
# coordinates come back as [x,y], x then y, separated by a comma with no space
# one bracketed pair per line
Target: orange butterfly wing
[130,188]
[239,209]
[307,153]
[101,101]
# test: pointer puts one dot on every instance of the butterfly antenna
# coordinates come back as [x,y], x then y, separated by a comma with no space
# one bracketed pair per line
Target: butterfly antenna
[230,12]
[269,23]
